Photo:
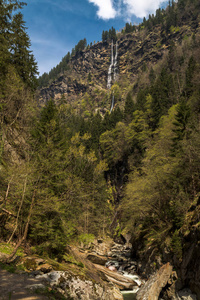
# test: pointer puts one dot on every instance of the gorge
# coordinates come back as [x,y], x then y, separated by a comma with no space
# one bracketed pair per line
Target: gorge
[99,166]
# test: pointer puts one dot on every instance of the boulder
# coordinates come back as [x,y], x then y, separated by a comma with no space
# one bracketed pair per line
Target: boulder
[78,288]
[97,259]
[186,294]
[38,286]
[45,268]
[153,287]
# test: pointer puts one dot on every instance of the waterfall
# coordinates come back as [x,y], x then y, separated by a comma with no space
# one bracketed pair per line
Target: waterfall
[112,71]
[113,101]
[115,63]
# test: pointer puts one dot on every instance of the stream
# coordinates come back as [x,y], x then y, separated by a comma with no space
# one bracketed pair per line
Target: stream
[122,263]
[129,295]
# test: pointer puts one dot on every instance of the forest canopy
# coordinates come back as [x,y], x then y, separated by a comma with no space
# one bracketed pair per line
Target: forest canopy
[66,172]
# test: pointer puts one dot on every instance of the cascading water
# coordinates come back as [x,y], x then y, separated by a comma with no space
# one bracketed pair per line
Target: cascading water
[122,263]
[115,63]
[112,71]
[113,102]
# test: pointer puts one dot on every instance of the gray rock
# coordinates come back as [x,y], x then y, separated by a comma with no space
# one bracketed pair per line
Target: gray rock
[33,287]
[186,294]
[152,288]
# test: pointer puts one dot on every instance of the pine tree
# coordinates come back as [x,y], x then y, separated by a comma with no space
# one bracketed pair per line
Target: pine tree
[180,125]
[112,35]
[22,57]
[129,108]
[15,43]
[103,36]
[189,76]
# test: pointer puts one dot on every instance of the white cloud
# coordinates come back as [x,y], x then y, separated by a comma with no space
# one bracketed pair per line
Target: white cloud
[142,8]
[139,8]
[106,9]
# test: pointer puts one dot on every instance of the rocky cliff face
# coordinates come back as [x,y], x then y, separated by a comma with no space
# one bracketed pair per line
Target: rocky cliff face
[88,70]
[189,269]
[185,257]
[74,82]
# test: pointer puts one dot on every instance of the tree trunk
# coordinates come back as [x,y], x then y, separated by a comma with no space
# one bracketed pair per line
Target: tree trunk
[16,225]
[25,231]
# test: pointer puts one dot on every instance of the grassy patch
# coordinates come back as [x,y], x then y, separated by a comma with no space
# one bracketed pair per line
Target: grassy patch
[70,259]
[10,268]
[8,249]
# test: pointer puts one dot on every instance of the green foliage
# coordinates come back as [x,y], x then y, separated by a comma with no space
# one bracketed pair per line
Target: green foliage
[48,233]
[129,108]
[9,268]
[180,124]
[8,249]
[189,76]
[15,44]
[129,28]
[173,16]
[86,238]
[108,36]
[89,77]
[176,244]
[105,36]
[71,181]
[64,65]
[148,193]
[77,165]
[116,143]
[80,46]
[174,29]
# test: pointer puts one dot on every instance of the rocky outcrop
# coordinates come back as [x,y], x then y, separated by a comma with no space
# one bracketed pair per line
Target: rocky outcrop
[74,82]
[152,288]
[87,72]
[134,51]
[78,288]
[184,257]
[189,269]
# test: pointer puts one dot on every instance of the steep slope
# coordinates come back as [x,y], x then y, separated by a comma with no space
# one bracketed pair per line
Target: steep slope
[134,170]
[74,82]
[138,52]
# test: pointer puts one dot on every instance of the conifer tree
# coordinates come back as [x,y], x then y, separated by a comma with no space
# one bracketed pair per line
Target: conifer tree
[129,108]
[189,76]
[16,43]
[180,125]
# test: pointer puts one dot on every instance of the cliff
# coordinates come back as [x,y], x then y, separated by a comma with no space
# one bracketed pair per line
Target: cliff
[138,52]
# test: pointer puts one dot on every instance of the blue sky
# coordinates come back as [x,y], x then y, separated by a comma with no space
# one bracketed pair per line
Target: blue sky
[56,26]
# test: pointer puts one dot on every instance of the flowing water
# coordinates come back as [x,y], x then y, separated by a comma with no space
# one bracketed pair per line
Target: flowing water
[129,295]
[109,83]
[113,102]
[115,63]
[112,71]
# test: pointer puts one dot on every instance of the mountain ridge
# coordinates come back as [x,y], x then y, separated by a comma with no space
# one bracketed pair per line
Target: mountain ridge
[137,51]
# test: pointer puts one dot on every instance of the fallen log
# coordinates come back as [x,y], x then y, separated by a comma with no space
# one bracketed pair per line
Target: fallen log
[97,259]
[122,282]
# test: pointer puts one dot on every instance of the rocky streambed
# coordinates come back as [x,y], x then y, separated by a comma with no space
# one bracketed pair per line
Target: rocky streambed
[104,271]
[119,267]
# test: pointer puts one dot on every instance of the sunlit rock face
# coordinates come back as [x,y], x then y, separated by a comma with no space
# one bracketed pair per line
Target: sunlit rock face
[125,58]
[88,71]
